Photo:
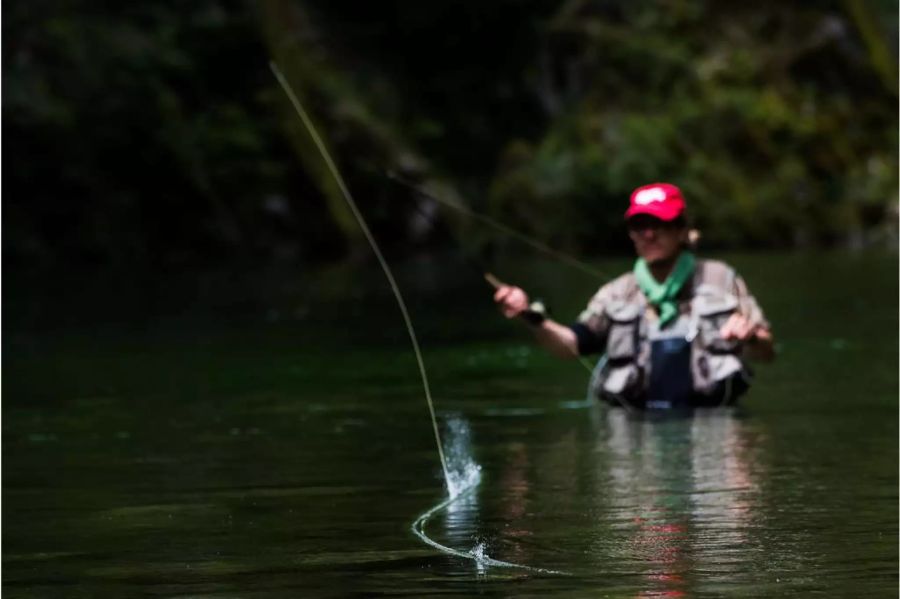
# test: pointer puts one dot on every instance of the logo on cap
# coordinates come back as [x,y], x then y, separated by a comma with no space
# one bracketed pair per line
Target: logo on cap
[650,195]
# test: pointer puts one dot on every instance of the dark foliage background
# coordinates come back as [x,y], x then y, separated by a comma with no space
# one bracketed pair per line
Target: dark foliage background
[154,133]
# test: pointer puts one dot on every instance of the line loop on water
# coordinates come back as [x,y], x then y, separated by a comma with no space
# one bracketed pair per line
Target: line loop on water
[418,528]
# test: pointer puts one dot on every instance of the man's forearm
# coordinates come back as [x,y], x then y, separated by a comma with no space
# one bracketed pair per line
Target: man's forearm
[559,339]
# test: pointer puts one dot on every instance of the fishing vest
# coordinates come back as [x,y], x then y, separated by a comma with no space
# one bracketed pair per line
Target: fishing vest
[685,364]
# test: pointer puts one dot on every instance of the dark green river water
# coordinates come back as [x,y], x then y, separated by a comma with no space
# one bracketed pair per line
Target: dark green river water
[266,435]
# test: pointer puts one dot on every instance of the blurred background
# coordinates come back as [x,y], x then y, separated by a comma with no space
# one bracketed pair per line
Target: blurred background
[153,133]
[208,389]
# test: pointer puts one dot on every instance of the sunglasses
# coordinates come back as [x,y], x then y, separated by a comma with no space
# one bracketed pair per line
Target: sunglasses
[645,223]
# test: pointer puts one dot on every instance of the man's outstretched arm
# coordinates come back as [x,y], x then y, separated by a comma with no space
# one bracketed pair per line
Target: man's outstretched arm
[557,338]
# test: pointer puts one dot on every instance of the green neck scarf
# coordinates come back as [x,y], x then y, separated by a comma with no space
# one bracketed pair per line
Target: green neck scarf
[662,295]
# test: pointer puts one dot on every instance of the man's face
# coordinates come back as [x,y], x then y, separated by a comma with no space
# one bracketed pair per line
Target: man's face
[656,240]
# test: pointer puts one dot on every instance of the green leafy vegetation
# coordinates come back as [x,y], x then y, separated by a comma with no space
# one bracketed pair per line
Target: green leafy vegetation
[154,133]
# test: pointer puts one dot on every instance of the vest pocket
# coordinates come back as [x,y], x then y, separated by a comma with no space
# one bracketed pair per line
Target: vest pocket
[718,372]
[617,379]
[712,312]
[623,342]
[616,384]
[620,383]
[719,377]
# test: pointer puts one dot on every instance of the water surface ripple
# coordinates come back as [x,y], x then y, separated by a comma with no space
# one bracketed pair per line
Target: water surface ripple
[272,441]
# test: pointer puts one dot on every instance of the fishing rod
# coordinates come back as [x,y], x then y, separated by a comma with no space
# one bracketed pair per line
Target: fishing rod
[332,167]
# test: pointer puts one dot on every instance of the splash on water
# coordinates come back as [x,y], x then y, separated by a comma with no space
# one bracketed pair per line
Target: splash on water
[478,552]
[462,471]
[463,477]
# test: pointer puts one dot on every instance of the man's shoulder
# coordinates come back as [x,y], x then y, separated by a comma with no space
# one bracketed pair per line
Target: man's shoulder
[714,272]
[621,287]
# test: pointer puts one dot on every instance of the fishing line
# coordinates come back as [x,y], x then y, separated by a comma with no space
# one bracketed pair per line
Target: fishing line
[381,260]
[527,239]
[418,528]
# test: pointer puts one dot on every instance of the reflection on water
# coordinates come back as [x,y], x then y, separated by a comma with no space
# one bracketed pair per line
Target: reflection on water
[649,500]
[712,503]
[683,491]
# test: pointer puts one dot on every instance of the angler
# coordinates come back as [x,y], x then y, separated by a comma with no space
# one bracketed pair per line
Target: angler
[674,332]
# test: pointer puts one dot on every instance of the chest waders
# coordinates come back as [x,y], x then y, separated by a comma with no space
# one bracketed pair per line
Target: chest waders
[686,364]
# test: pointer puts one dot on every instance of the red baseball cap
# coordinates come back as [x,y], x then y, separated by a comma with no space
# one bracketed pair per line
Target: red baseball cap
[662,200]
